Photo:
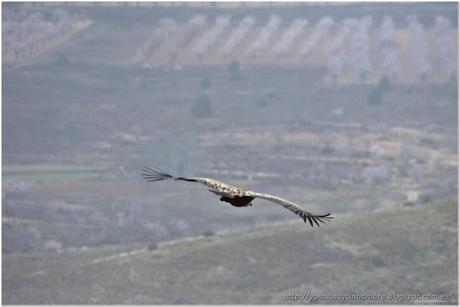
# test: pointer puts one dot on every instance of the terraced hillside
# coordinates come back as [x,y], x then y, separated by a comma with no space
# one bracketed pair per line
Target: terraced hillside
[85,114]
[69,171]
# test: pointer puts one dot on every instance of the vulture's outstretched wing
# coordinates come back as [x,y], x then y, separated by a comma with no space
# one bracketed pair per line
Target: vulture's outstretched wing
[293,207]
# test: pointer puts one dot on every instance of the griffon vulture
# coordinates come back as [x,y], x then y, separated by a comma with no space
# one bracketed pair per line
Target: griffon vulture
[237,197]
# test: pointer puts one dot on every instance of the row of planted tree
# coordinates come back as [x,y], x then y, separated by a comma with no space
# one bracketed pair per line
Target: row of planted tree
[350,49]
[359,48]
[26,33]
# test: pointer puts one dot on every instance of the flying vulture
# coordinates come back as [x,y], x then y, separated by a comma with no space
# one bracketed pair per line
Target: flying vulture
[237,197]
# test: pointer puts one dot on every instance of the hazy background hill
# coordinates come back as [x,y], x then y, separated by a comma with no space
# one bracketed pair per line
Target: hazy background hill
[344,108]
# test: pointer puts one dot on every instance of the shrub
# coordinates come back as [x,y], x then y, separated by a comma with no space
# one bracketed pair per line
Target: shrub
[208,233]
[384,84]
[62,59]
[424,198]
[152,246]
[234,70]
[202,106]
[273,96]
[403,170]
[375,97]
[408,204]
[262,102]
[268,99]
[205,82]
[376,261]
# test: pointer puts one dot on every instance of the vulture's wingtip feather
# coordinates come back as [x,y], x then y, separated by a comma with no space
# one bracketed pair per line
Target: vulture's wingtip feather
[316,219]
[152,175]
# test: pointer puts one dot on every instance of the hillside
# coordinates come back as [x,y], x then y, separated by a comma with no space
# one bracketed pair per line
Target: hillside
[411,250]
[344,108]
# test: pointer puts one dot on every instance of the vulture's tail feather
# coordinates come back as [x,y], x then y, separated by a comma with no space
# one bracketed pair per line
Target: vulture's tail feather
[152,175]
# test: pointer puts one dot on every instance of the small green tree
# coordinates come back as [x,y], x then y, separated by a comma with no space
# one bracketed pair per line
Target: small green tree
[62,59]
[375,97]
[273,96]
[208,233]
[205,82]
[384,84]
[152,246]
[269,98]
[262,102]
[202,107]
[234,70]
[424,198]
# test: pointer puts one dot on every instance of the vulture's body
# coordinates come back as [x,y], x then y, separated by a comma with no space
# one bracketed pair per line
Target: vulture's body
[237,197]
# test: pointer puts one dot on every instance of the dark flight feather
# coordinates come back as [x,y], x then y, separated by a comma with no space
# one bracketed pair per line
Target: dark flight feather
[152,175]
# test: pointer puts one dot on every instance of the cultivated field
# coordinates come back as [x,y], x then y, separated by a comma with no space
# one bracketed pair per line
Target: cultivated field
[354,50]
